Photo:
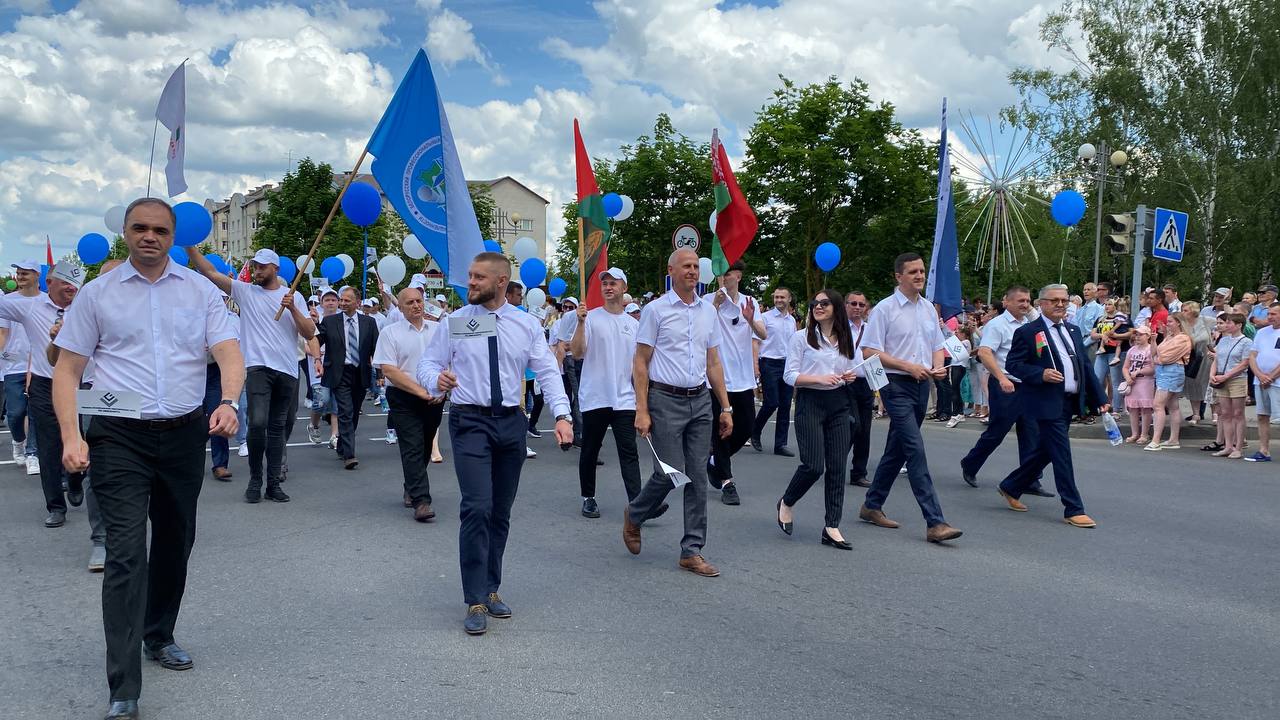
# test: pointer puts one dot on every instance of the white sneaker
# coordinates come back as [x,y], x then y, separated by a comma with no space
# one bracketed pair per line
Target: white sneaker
[333,443]
[529,453]
[244,450]
[954,421]
[391,437]
[20,453]
[33,465]
[313,434]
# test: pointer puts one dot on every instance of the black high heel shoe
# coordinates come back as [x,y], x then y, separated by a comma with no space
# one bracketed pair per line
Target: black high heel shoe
[785,527]
[838,544]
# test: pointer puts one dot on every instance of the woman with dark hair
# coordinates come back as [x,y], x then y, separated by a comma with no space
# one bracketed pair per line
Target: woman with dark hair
[819,365]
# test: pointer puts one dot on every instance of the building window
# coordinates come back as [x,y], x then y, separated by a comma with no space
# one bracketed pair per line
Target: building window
[224,225]
[526,224]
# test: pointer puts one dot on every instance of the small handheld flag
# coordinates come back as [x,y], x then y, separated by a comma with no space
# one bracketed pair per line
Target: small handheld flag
[172,113]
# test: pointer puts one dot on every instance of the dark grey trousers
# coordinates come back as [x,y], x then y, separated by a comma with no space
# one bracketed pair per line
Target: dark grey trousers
[681,433]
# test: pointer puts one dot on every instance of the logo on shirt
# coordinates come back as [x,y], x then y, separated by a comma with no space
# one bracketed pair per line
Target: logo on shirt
[109,400]
[472,325]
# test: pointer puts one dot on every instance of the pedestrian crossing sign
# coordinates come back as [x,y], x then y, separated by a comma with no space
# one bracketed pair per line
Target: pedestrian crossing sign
[1170,235]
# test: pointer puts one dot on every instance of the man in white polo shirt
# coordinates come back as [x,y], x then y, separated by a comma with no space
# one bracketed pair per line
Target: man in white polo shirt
[270,348]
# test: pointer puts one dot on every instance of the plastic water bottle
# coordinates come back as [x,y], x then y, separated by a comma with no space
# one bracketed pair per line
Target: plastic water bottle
[1113,429]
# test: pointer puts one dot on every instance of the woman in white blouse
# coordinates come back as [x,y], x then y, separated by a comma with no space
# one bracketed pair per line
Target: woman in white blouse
[819,365]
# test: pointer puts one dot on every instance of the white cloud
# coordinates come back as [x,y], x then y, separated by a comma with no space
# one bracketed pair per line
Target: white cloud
[451,40]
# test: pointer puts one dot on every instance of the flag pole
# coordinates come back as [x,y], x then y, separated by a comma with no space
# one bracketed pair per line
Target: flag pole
[582,264]
[323,228]
[152,159]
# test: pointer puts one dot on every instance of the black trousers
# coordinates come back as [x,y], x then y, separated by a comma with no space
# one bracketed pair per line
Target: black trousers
[49,445]
[862,407]
[349,394]
[743,403]
[1006,413]
[777,396]
[416,422]
[488,453]
[141,473]
[1053,448]
[272,397]
[822,432]
[594,424]
[572,375]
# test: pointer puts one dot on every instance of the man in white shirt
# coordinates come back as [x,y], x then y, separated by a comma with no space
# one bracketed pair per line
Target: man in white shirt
[146,324]
[414,411]
[605,343]
[1219,304]
[862,399]
[905,333]
[780,324]
[677,356]
[1171,300]
[570,367]
[1264,361]
[17,350]
[738,316]
[270,348]
[481,360]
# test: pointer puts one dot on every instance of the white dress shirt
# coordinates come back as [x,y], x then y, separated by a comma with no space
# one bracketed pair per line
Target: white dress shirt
[735,341]
[997,336]
[17,349]
[149,338]
[1058,334]
[36,315]
[680,335]
[804,359]
[265,341]
[401,344]
[606,368]
[779,329]
[857,331]
[350,326]
[905,330]
[520,345]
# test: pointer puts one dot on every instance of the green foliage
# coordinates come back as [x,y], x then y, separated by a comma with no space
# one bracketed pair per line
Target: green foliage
[485,206]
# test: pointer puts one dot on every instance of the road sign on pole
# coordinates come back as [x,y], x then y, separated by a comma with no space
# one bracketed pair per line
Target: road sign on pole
[686,237]
[1169,235]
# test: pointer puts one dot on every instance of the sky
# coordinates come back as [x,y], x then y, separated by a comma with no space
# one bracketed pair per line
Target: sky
[270,81]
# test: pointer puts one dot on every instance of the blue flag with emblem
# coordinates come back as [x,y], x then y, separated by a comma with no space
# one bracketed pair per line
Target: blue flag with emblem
[416,164]
[944,265]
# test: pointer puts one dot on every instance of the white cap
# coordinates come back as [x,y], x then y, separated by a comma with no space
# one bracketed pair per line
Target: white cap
[374,301]
[648,295]
[68,272]
[32,265]
[329,291]
[366,303]
[571,299]
[1224,292]
[613,272]
[441,298]
[266,257]
[632,307]
[418,278]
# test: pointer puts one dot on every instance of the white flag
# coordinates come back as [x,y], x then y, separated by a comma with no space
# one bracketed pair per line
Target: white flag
[172,113]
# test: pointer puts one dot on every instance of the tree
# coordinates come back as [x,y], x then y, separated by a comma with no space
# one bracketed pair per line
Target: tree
[485,206]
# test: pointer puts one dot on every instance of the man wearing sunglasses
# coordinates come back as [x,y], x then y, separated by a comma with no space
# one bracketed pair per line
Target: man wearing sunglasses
[862,399]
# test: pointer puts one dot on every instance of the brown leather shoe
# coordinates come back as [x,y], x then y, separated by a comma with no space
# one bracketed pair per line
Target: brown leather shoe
[875,517]
[630,533]
[941,533]
[1080,521]
[221,473]
[408,501]
[422,512]
[699,566]
[350,463]
[1014,503]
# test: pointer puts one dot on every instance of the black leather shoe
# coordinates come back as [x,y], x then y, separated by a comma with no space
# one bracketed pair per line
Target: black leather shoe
[75,498]
[729,494]
[1039,491]
[123,710]
[837,544]
[275,494]
[784,451]
[171,657]
[253,495]
[495,607]
[56,519]
[590,509]
[477,622]
[861,481]
[783,526]
[969,478]
[757,445]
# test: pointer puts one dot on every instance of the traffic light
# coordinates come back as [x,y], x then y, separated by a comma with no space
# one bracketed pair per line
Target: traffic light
[1120,237]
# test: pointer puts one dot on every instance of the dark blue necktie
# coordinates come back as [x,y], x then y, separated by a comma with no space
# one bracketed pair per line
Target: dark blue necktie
[495,381]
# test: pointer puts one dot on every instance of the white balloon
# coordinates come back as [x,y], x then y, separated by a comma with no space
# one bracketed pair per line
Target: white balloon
[413,247]
[711,222]
[524,248]
[535,298]
[310,265]
[628,207]
[115,219]
[391,269]
[347,263]
[705,273]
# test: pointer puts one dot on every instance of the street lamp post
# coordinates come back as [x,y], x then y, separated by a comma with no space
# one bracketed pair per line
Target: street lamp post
[1087,153]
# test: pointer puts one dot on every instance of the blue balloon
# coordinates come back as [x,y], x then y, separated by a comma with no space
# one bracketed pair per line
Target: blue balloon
[532,272]
[288,269]
[333,269]
[93,249]
[493,246]
[178,255]
[193,226]
[44,275]
[557,287]
[612,203]
[1067,208]
[827,256]
[218,263]
[362,204]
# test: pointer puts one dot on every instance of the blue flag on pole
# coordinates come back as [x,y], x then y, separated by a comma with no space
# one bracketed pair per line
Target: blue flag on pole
[418,168]
[944,265]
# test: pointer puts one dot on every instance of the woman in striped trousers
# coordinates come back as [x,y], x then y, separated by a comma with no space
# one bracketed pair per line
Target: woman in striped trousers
[819,365]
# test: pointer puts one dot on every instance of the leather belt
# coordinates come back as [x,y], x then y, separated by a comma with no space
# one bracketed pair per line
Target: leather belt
[680,391]
[161,423]
[484,410]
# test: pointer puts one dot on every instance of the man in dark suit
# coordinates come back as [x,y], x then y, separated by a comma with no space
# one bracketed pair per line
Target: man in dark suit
[349,339]
[1048,356]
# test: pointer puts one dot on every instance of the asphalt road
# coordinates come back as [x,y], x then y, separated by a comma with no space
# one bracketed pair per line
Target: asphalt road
[338,605]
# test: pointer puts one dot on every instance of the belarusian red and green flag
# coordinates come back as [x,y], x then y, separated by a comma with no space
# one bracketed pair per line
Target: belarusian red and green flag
[593,226]
[736,222]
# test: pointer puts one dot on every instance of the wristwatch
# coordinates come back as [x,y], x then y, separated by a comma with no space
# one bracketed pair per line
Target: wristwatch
[724,410]
[234,405]
[566,418]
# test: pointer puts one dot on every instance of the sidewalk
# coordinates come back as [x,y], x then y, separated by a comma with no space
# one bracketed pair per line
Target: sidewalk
[1204,430]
